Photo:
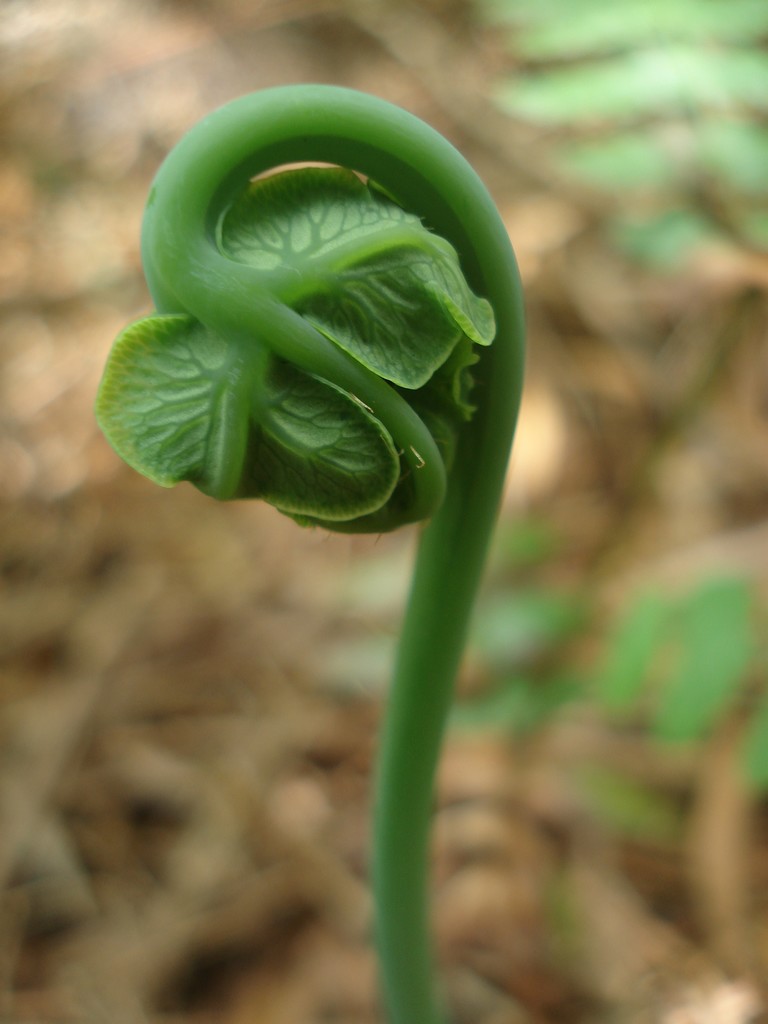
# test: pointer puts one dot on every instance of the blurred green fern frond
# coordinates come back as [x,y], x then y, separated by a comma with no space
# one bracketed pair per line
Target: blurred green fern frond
[665,101]
[689,662]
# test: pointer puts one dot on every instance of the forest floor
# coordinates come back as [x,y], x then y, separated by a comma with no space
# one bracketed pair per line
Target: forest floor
[191,692]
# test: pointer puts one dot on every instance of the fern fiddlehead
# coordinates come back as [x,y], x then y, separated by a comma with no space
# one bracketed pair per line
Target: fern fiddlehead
[312,333]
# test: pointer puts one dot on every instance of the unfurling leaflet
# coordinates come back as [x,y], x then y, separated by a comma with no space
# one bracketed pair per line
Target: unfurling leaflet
[183,400]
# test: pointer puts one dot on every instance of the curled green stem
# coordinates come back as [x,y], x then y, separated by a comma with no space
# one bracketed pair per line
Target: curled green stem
[188,273]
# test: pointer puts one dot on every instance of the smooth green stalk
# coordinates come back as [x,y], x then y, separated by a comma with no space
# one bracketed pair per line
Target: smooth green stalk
[188,273]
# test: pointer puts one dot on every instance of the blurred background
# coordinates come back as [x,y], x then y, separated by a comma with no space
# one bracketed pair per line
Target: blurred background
[191,692]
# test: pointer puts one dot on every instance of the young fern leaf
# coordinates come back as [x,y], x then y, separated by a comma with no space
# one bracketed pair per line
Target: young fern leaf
[367,274]
[322,340]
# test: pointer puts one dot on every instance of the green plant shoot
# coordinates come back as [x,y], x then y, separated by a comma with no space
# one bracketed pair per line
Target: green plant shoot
[346,343]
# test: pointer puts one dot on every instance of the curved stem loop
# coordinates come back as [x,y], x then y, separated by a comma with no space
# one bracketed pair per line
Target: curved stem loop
[187,272]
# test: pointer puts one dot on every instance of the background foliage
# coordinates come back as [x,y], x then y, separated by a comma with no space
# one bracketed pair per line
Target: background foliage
[191,692]
[660,104]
